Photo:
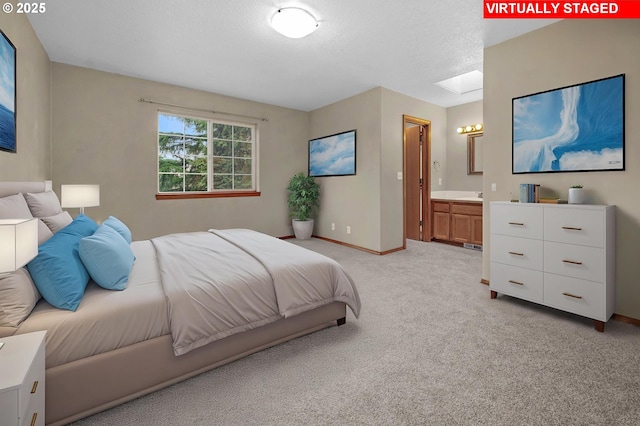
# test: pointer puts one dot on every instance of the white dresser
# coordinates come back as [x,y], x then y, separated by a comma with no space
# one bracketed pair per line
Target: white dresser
[22,380]
[558,255]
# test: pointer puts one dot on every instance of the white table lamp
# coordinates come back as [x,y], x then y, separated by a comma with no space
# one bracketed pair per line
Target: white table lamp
[18,243]
[74,196]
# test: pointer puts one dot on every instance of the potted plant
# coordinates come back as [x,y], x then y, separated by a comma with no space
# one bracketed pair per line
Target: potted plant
[304,192]
[576,195]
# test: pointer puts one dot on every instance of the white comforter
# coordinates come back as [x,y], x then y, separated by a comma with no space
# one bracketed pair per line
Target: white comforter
[219,283]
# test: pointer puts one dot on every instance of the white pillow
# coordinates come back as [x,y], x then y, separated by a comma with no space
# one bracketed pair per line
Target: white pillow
[15,207]
[43,204]
[18,297]
[57,222]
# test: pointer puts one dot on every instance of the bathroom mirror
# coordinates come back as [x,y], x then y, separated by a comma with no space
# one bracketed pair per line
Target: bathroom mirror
[474,153]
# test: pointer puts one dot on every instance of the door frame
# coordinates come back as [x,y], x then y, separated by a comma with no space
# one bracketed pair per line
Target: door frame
[426,176]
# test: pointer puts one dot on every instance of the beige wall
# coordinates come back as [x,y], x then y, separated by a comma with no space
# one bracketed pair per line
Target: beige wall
[371,201]
[102,135]
[352,200]
[566,53]
[33,158]
[394,105]
[457,178]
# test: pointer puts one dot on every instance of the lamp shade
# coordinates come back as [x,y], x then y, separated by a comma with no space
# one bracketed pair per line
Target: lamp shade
[294,22]
[18,243]
[80,196]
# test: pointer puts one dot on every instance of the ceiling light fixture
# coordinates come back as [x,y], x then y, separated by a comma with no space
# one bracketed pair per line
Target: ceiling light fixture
[294,22]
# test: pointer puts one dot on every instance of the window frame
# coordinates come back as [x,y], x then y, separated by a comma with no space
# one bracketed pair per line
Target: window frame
[211,193]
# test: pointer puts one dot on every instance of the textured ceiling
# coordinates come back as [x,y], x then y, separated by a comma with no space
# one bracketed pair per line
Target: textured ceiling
[228,47]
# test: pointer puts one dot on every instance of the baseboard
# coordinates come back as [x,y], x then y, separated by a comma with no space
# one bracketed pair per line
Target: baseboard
[483,281]
[624,318]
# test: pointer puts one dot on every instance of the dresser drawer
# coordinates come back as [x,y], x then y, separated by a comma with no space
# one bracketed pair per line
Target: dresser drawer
[574,226]
[577,296]
[32,392]
[582,262]
[516,220]
[518,282]
[522,252]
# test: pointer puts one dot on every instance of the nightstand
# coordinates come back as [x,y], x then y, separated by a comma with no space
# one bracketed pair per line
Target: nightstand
[22,379]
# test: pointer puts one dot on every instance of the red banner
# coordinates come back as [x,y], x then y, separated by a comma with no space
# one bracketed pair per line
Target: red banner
[623,9]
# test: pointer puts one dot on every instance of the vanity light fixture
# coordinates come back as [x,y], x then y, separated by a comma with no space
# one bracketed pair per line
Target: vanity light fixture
[294,22]
[471,128]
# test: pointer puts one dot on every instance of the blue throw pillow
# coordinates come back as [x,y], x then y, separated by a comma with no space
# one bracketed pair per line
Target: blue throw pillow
[107,257]
[57,270]
[121,228]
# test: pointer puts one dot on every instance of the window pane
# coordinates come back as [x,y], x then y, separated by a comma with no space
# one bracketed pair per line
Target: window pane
[169,165]
[222,165]
[171,145]
[242,166]
[242,182]
[222,131]
[242,149]
[221,148]
[194,127]
[170,124]
[195,165]
[170,182]
[195,146]
[222,182]
[241,133]
[195,182]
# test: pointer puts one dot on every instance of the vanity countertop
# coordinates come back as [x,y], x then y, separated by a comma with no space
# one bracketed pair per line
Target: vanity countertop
[466,196]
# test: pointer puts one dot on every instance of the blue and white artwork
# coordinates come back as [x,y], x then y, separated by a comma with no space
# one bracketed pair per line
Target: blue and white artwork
[577,128]
[7,95]
[333,155]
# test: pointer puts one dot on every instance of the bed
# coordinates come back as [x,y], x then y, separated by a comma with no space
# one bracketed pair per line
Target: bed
[190,302]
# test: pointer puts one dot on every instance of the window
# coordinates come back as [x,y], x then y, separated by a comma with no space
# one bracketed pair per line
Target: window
[205,156]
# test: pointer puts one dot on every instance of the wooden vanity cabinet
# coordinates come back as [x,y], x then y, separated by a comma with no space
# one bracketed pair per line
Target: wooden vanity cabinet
[457,221]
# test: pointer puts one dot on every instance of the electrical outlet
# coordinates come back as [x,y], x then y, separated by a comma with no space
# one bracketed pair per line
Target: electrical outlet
[348,229]
[493,187]
[439,181]
[333,226]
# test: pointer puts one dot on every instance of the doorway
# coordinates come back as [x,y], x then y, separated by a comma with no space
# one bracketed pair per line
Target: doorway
[417,178]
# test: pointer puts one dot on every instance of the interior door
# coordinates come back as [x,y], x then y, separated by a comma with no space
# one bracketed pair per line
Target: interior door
[413,182]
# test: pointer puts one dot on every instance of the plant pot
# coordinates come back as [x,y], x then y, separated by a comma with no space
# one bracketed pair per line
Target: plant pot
[576,196]
[302,228]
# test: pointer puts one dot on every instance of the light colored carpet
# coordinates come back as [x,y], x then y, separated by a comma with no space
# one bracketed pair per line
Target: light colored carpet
[430,348]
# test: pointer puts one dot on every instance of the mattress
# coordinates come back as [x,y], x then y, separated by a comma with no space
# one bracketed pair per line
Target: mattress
[106,319]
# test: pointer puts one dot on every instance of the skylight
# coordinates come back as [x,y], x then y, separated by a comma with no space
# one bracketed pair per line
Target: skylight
[464,83]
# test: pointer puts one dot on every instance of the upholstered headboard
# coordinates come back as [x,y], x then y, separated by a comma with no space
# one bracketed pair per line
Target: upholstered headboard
[10,188]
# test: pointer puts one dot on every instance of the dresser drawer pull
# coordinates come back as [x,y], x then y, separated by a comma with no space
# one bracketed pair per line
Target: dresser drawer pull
[516,254]
[573,262]
[516,223]
[516,282]
[571,295]
[571,228]
[33,419]
[34,387]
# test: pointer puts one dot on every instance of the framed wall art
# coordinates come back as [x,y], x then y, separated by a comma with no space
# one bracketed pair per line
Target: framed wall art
[333,155]
[571,129]
[7,94]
